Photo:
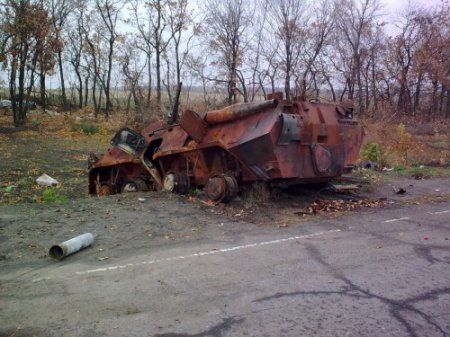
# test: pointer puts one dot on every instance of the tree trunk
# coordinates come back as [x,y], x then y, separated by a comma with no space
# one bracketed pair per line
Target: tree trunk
[441,100]
[373,84]
[350,87]
[233,70]
[108,78]
[12,90]
[272,84]
[80,89]
[333,93]
[21,112]
[447,108]
[362,108]
[261,85]
[158,78]
[244,86]
[42,90]
[433,103]
[174,116]
[149,91]
[86,88]
[287,80]
[417,94]
[61,79]
[128,102]
[94,97]
[350,96]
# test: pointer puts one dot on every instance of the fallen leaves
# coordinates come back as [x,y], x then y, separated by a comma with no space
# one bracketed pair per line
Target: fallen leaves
[339,205]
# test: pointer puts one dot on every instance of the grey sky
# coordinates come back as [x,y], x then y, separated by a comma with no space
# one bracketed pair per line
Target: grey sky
[391,10]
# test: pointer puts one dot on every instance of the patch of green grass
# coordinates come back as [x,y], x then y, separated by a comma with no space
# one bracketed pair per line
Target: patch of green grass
[10,188]
[427,171]
[195,192]
[52,195]
[88,129]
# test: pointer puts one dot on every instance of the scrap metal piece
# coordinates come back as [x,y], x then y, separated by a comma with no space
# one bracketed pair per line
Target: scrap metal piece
[290,130]
[238,111]
[129,141]
[194,125]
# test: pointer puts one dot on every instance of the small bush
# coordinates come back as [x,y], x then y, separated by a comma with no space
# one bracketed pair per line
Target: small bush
[372,152]
[403,144]
[52,195]
[89,129]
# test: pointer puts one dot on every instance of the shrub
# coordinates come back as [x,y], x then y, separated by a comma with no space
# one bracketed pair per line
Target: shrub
[372,152]
[403,143]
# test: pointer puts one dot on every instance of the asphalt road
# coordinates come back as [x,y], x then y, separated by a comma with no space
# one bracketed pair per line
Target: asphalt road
[379,273]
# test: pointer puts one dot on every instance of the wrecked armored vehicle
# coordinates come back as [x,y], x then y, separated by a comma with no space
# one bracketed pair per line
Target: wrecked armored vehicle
[276,141]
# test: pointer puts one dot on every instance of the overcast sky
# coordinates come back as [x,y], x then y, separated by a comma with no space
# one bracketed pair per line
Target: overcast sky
[393,6]
[391,9]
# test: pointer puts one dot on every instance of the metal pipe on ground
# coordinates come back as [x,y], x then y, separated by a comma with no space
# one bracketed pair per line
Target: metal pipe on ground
[61,250]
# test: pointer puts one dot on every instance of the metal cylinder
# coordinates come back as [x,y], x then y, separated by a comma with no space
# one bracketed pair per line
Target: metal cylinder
[238,111]
[71,246]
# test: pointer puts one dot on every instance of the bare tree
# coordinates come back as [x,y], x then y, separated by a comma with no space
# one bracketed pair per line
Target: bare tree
[317,32]
[109,11]
[432,58]
[288,22]
[404,47]
[76,46]
[353,19]
[93,57]
[151,27]
[179,18]
[59,11]
[132,69]
[225,26]
[256,53]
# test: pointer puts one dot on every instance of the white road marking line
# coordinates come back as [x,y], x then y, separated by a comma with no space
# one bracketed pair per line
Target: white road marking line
[399,219]
[441,212]
[211,252]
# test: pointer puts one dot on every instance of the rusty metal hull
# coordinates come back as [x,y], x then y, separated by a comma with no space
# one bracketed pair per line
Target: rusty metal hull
[282,143]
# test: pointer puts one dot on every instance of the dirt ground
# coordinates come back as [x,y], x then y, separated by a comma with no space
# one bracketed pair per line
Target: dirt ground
[30,223]
[130,223]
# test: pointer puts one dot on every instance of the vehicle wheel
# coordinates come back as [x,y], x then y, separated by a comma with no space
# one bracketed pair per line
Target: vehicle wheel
[176,182]
[221,188]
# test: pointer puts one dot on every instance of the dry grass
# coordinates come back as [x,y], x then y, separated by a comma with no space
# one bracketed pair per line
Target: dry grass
[400,146]
[256,194]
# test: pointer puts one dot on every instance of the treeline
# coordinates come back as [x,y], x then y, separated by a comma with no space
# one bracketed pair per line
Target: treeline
[235,50]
